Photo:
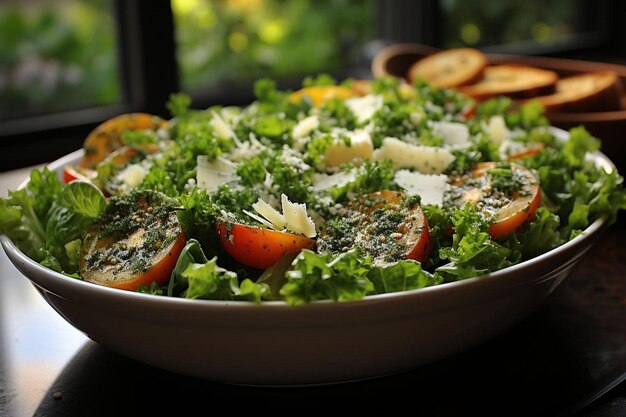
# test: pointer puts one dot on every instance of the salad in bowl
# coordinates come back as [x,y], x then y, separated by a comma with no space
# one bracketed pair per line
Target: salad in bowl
[336,191]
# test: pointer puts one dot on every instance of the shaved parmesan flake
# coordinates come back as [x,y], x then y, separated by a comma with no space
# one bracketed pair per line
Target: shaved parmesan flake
[261,220]
[210,175]
[325,181]
[305,127]
[219,164]
[497,130]
[294,217]
[270,213]
[364,107]
[221,128]
[133,175]
[297,219]
[425,159]
[339,152]
[453,134]
[430,187]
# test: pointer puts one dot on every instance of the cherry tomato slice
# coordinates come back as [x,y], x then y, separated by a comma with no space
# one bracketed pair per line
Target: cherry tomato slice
[507,212]
[71,173]
[143,248]
[107,137]
[411,236]
[257,247]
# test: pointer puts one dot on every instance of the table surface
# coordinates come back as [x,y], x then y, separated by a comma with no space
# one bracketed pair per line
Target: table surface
[566,359]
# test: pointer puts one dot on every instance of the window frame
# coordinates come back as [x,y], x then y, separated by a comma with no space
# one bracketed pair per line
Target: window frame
[145,41]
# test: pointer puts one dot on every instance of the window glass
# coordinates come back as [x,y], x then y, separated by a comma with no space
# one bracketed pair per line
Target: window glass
[513,22]
[237,40]
[56,55]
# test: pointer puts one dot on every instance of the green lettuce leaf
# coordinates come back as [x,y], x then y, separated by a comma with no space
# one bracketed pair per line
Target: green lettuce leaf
[195,276]
[541,235]
[322,277]
[580,142]
[21,224]
[578,219]
[209,281]
[402,276]
[607,196]
[78,206]
[251,291]
[64,226]
[83,198]
[439,224]
[44,186]
[48,221]
[51,262]
[473,252]
[191,253]
[575,188]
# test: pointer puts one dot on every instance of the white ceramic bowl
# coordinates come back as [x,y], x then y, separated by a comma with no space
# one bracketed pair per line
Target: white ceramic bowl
[324,342]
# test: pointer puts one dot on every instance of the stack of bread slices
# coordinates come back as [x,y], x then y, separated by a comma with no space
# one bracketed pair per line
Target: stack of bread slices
[469,71]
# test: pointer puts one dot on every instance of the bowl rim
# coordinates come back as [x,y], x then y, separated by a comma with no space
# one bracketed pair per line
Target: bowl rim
[65,281]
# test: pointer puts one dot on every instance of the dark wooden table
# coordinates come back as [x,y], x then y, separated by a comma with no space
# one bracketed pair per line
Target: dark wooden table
[567,359]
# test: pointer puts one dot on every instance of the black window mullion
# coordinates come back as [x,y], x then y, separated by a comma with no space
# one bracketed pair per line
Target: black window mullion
[409,21]
[147,53]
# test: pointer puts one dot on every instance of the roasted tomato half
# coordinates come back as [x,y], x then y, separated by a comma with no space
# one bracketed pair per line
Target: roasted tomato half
[257,247]
[386,225]
[108,136]
[137,241]
[508,195]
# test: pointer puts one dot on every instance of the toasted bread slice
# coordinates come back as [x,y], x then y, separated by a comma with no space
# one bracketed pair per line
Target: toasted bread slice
[514,81]
[588,92]
[450,68]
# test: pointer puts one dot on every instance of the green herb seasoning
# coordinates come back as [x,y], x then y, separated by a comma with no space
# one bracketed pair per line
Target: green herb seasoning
[381,225]
[132,230]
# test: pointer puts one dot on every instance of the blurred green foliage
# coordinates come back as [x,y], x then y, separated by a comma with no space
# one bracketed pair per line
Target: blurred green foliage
[487,22]
[56,56]
[237,40]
